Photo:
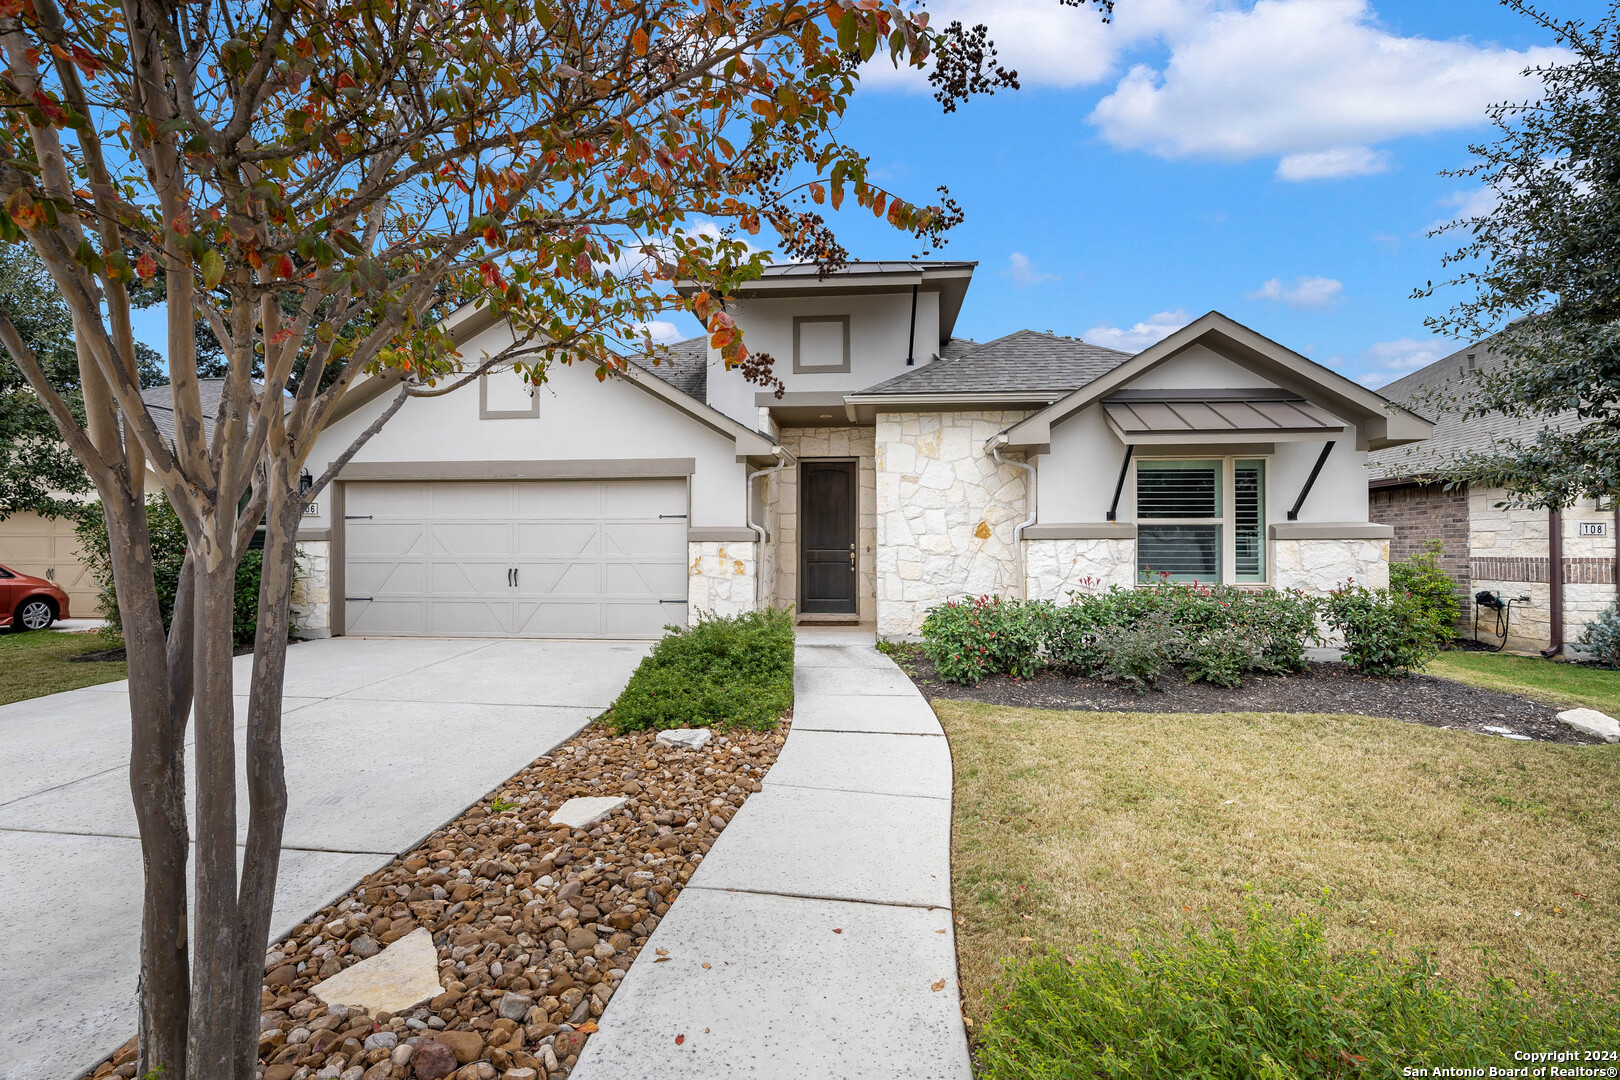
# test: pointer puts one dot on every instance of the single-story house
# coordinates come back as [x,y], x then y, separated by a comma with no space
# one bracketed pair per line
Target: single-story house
[901,466]
[1489,546]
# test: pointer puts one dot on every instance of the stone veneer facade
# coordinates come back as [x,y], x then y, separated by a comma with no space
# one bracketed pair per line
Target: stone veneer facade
[1508,555]
[782,510]
[311,591]
[720,578]
[1055,568]
[1320,566]
[946,513]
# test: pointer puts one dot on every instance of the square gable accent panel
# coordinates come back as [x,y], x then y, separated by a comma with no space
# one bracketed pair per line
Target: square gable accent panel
[1140,415]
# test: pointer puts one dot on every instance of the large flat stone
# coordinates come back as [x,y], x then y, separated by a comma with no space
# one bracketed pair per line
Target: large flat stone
[895,715]
[401,976]
[785,996]
[836,845]
[1591,722]
[582,813]
[853,761]
[846,681]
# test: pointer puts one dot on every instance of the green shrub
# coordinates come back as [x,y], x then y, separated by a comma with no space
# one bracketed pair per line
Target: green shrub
[723,672]
[969,639]
[1219,633]
[1421,576]
[168,538]
[1385,633]
[1601,637]
[1270,1003]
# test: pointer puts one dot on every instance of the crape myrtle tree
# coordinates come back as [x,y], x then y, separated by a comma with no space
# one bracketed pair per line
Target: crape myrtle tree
[318,180]
[1539,274]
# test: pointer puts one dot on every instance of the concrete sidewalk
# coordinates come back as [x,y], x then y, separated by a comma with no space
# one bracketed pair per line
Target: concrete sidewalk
[816,938]
[385,740]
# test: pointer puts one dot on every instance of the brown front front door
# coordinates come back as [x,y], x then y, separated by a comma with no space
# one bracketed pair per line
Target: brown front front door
[827,537]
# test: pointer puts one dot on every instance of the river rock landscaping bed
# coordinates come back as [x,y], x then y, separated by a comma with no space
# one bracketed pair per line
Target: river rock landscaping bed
[1322,688]
[535,925]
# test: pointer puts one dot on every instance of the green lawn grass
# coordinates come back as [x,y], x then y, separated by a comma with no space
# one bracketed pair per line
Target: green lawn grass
[35,664]
[1553,681]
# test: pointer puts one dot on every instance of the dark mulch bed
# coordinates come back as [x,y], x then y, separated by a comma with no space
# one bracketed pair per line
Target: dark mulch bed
[1324,688]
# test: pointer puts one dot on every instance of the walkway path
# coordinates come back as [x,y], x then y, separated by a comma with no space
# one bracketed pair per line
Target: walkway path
[816,938]
[386,739]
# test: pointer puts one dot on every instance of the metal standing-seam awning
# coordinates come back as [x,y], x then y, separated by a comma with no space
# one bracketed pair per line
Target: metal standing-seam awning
[1255,413]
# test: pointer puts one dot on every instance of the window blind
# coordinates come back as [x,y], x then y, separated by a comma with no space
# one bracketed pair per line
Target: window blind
[1248,520]
[1178,489]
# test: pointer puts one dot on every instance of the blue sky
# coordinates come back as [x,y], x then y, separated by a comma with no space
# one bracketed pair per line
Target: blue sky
[1276,161]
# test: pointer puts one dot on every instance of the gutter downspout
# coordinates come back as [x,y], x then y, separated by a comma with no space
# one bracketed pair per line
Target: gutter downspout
[994,447]
[1555,582]
[911,342]
[759,530]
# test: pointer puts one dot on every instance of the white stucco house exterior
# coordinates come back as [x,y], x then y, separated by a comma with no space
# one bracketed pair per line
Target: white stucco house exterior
[902,466]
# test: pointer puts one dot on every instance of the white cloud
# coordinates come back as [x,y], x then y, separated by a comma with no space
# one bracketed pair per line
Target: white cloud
[660,330]
[1332,164]
[1306,293]
[1025,273]
[1294,77]
[1138,337]
[1389,360]
[1462,205]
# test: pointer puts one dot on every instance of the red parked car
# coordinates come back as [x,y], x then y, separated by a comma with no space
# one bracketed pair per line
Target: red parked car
[28,602]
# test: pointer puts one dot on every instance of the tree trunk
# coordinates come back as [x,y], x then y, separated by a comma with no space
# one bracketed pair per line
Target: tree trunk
[157,780]
[210,1053]
[266,772]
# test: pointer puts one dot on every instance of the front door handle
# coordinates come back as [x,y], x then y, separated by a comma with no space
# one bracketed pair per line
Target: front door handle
[852,556]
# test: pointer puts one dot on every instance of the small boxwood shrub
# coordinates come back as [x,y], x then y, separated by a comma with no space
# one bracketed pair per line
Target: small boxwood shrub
[1385,632]
[735,671]
[1421,577]
[1269,1002]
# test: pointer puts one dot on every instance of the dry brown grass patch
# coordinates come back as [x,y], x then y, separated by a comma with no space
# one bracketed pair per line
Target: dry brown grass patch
[1069,826]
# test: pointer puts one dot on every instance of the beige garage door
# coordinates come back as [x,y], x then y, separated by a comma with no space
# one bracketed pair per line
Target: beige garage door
[551,558]
[48,548]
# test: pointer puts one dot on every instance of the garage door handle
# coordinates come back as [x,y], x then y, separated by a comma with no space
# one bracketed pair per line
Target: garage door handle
[661,517]
[356,517]
[355,599]
[672,601]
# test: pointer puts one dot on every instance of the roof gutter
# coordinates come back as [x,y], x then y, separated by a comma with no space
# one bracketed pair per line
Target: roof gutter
[993,448]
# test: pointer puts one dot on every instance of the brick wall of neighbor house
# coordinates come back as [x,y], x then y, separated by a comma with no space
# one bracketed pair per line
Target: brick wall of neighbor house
[783,508]
[1055,568]
[1508,554]
[311,601]
[1320,566]
[720,578]
[945,514]
[1420,512]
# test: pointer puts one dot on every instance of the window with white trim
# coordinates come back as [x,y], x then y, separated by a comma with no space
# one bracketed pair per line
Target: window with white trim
[1201,519]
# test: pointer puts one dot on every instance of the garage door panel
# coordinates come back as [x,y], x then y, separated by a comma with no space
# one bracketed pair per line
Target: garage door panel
[643,499]
[401,579]
[407,501]
[644,538]
[559,538]
[666,581]
[642,620]
[471,539]
[559,618]
[474,501]
[557,499]
[594,559]
[369,538]
[387,617]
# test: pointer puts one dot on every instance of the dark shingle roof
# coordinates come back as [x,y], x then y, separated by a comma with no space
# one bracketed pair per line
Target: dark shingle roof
[1022,361]
[1440,392]
[685,366]
[160,403]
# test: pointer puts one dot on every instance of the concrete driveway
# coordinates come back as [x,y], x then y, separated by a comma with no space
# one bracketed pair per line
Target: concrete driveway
[386,739]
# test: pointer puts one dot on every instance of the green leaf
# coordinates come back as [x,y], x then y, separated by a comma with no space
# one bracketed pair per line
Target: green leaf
[213,268]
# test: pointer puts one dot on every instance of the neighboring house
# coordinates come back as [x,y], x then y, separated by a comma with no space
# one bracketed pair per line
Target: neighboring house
[1490,547]
[901,467]
[49,547]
